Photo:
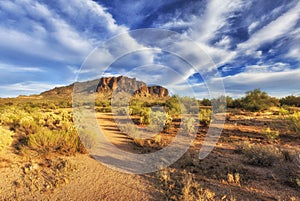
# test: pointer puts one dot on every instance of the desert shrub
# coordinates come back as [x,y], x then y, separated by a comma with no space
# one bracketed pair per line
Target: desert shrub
[294,122]
[52,106]
[64,104]
[46,141]
[160,120]
[184,187]
[28,124]
[103,109]
[189,105]
[290,100]
[145,116]
[102,103]
[122,111]
[271,135]
[5,138]
[188,124]
[260,155]
[219,104]
[128,128]
[88,137]
[206,102]
[134,110]
[11,116]
[193,191]
[257,100]
[168,123]
[205,116]
[134,133]
[173,106]
[234,178]
[283,112]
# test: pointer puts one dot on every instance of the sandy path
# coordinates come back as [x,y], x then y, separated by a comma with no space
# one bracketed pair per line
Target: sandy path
[90,180]
[94,181]
[111,131]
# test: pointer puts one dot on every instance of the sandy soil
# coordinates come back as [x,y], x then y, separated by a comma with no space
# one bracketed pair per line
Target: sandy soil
[83,178]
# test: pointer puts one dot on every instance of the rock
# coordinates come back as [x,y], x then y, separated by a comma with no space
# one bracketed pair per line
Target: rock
[130,85]
[110,84]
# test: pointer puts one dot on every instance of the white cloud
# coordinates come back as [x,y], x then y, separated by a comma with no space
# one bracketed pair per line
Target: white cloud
[267,68]
[252,26]
[25,88]
[16,68]
[42,32]
[215,17]
[274,30]
[286,81]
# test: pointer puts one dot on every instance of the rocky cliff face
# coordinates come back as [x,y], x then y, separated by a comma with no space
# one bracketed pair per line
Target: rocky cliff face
[130,85]
[110,84]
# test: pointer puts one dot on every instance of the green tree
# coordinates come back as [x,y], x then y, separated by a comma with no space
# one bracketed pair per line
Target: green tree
[173,106]
[206,102]
[258,100]
[290,100]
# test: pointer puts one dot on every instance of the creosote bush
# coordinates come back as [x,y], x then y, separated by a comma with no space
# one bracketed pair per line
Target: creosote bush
[62,141]
[260,155]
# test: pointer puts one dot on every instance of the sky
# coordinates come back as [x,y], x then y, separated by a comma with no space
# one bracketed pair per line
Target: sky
[241,44]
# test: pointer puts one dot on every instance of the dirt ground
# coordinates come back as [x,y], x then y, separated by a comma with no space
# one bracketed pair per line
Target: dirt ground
[81,177]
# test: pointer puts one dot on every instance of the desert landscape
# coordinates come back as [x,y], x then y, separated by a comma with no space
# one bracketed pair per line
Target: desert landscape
[256,157]
[171,100]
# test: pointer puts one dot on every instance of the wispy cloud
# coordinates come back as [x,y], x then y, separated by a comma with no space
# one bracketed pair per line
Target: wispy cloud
[17,69]
[25,88]
[39,38]
[274,30]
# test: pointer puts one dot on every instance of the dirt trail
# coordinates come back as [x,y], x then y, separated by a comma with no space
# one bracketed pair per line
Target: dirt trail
[88,179]
[112,133]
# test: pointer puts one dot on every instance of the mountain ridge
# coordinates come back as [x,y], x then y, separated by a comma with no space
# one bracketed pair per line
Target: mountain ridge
[110,84]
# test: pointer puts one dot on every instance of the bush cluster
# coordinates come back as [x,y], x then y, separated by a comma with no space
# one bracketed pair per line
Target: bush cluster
[42,131]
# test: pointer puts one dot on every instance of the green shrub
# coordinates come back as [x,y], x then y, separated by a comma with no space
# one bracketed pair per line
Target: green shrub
[205,116]
[283,112]
[294,122]
[103,109]
[290,100]
[28,124]
[257,100]
[271,135]
[206,102]
[5,138]
[173,106]
[145,116]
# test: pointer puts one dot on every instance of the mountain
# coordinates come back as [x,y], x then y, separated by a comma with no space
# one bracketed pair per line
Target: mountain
[110,84]
[130,85]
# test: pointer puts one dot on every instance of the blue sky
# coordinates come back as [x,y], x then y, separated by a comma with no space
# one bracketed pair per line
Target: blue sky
[254,44]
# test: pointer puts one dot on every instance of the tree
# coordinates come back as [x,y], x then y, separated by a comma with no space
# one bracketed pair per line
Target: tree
[258,100]
[290,100]
[206,102]
[173,106]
